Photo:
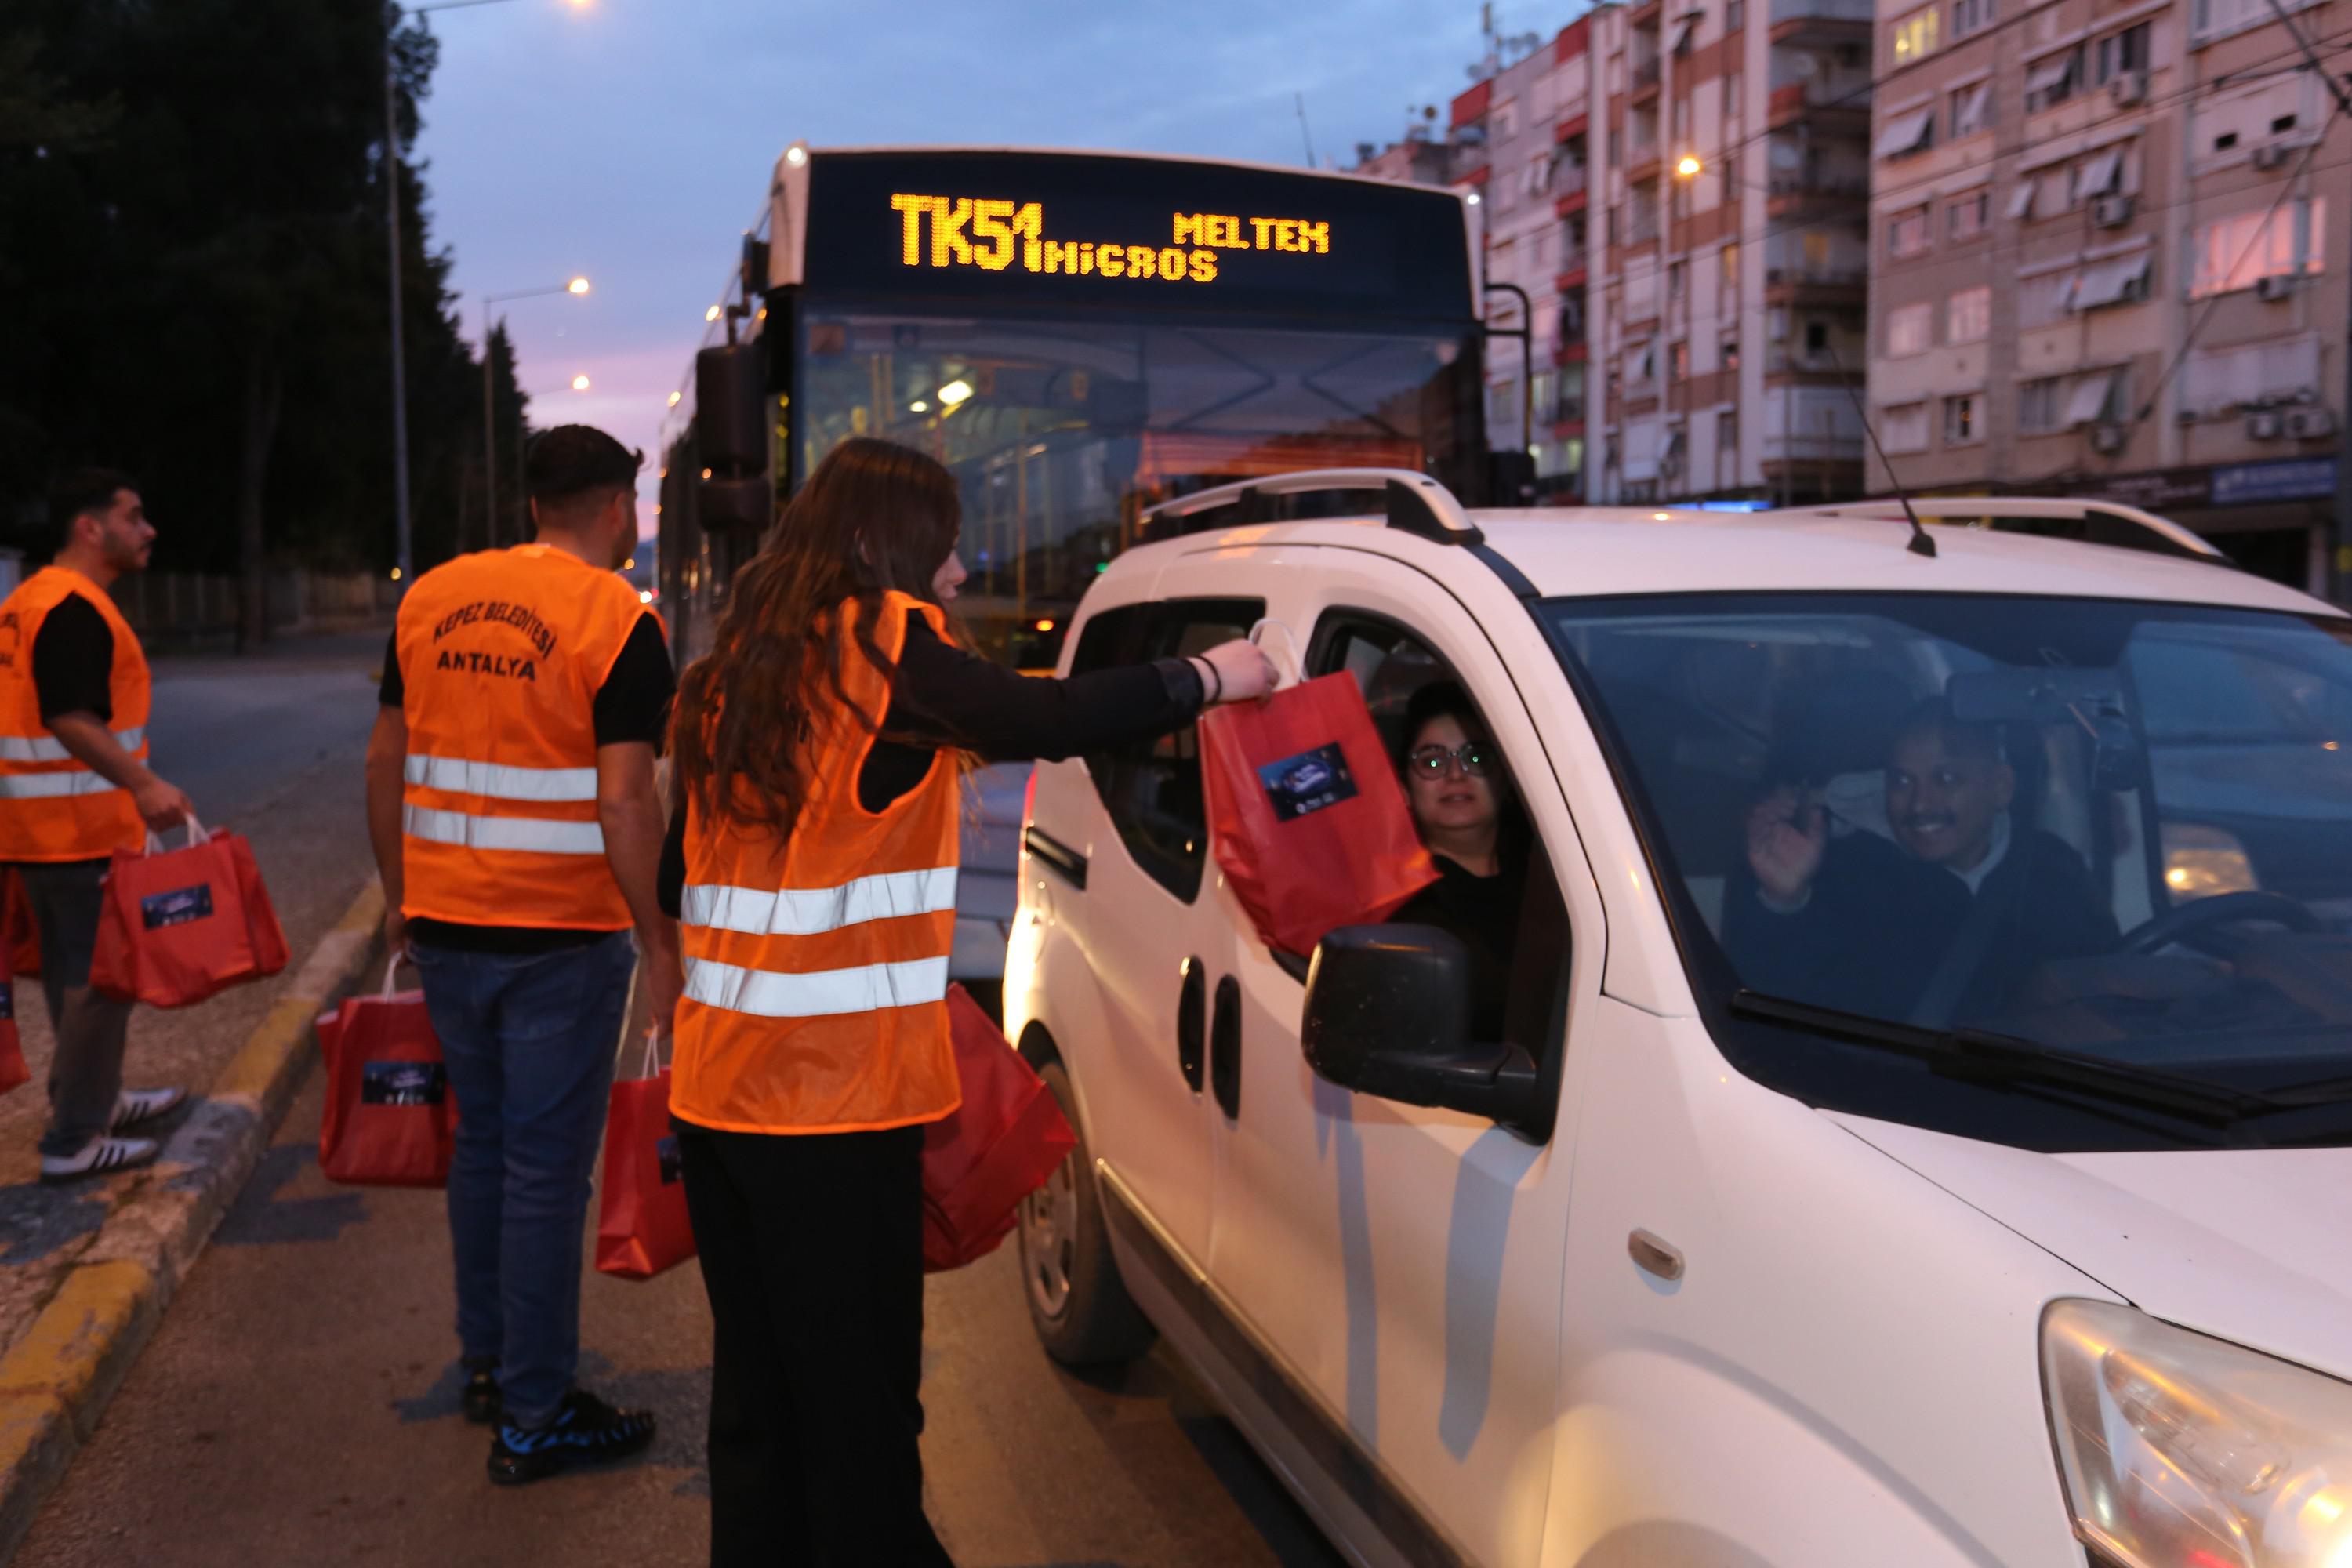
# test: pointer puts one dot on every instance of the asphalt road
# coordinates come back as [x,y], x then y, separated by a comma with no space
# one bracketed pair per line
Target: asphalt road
[299,1403]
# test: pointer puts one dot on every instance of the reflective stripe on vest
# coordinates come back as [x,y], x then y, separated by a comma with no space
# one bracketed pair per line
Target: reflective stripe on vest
[810,912]
[49,749]
[531,833]
[768,994]
[500,782]
[51,786]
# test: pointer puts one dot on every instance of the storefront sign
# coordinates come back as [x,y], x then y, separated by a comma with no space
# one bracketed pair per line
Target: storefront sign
[2165,491]
[2284,478]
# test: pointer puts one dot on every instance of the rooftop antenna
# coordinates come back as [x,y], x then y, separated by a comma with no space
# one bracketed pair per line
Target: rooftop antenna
[1305,134]
[1920,543]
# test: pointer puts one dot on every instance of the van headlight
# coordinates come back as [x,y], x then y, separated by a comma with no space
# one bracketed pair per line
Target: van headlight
[2181,1451]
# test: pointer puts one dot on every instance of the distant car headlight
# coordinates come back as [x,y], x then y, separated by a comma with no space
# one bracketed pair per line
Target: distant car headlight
[2200,862]
[2181,1451]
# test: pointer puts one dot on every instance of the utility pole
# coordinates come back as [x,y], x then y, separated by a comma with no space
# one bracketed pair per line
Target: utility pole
[404,567]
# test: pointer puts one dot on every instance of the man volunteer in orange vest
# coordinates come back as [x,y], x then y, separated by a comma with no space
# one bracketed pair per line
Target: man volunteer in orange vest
[74,788]
[512,806]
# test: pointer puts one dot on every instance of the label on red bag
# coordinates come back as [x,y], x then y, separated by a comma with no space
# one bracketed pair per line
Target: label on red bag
[673,1163]
[403,1083]
[1300,785]
[176,908]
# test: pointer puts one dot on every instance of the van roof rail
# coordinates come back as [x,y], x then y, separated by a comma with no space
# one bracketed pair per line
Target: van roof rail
[1413,502]
[2082,518]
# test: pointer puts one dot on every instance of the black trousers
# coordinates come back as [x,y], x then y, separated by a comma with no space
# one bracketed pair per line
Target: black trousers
[812,1250]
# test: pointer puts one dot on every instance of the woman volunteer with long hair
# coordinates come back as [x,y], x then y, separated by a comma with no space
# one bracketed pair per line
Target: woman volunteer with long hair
[813,861]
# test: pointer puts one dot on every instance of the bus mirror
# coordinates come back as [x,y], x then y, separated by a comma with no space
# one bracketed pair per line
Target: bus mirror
[1510,478]
[723,504]
[731,408]
[755,266]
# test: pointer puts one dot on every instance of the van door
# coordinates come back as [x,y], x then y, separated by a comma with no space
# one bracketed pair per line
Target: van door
[1403,1264]
[1149,927]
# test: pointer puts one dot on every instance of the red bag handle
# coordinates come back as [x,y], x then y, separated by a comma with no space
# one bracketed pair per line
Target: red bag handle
[1297,666]
[155,845]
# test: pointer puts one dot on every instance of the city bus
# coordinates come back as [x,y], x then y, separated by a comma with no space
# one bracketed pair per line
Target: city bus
[1078,336]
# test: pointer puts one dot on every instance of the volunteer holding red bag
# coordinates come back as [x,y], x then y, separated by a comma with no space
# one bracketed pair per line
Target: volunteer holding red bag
[75,787]
[513,811]
[813,863]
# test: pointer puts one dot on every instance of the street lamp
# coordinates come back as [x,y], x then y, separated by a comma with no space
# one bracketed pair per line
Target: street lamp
[579,384]
[1688,168]
[577,287]
[406,567]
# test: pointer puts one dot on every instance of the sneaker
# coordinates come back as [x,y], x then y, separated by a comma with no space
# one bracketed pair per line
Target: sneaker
[133,1106]
[98,1156]
[481,1401]
[585,1431]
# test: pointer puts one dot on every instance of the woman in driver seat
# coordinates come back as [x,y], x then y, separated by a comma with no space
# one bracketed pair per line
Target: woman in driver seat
[1474,828]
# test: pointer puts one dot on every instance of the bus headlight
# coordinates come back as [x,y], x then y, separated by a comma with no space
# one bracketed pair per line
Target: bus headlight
[2181,1451]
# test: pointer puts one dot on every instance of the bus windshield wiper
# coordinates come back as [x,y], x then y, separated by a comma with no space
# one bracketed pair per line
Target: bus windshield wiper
[1983,1056]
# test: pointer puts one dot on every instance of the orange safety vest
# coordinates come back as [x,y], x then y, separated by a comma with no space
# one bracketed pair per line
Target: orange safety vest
[52,806]
[501,655]
[816,968]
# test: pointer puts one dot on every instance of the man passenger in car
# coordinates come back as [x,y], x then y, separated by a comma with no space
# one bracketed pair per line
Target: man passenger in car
[1462,806]
[1858,922]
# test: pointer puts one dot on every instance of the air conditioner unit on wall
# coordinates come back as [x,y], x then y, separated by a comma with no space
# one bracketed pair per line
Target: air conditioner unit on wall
[2270,155]
[2127,88]
[2310,424]
[2113,212]
[2266,426]
[2278,286]
[2108,438]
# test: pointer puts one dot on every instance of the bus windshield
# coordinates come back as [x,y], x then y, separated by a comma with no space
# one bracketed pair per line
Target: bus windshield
[1061,431]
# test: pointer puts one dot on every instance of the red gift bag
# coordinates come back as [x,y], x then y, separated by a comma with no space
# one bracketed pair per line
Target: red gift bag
[390,1120]
[20,934]
[642,1227]
[1306,813]
[12,1070]
[182,925]
[1003,1142]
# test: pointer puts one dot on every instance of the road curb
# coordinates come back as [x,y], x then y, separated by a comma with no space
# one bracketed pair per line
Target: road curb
[55,1382]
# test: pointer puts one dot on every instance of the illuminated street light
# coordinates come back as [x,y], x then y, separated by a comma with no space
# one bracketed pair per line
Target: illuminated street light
[955,391]
[711,315]
[1688,168]
[579,384]
[577,286]
[918,406]
[674,397]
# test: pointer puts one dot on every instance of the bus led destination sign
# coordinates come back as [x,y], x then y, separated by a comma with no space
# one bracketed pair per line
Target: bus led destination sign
[993,235]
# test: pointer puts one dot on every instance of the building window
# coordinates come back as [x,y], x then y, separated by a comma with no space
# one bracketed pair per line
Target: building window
[2240,252]
[2120,53]
[2037,405]
[1678,364]
[1963,421]
[1971,109]
[1675,281]
[1970,214]
[1904,429]
[1817,338]
[1730,255]
[2098,398]
[1682,121]
[2211,18]
[1969,16]
[1735,16]
[1906,233]
[1968,315]
[1908,329]
[1814,245]
[2057,79]
[1914,36]
[1730,359]
[1731,99]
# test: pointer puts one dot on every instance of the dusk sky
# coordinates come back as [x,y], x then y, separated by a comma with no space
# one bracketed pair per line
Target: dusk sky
[631,140]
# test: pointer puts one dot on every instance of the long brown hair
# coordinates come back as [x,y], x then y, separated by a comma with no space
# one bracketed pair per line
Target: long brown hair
[875,516]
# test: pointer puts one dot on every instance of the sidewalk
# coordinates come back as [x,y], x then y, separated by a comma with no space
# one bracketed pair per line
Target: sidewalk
[271,746]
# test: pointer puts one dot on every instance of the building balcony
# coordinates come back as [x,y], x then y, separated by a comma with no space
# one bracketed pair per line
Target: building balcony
[1571,126]
[1645,17]
[1791,193]
[1641,165]
[1570,281]
[1574,350]
[1830,22]
[1822,110]
[1644,83]
[1825,287]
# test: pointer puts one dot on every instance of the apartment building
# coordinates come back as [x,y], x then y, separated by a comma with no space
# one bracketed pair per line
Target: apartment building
[2099,236]
[1728,263]
[1518,148]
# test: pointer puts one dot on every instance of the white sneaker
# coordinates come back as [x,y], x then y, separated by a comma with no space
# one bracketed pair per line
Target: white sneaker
[133,1106]
[98,1157]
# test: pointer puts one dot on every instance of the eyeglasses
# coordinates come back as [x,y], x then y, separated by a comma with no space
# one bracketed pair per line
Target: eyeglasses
[1429,761]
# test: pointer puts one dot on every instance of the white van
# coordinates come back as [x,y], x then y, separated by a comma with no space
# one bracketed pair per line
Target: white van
[1991,1208]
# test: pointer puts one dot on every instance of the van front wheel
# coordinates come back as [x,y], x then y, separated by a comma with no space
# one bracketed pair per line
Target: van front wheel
[1083,1314]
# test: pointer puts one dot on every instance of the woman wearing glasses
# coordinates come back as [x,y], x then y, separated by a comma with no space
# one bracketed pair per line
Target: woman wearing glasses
[1461,804]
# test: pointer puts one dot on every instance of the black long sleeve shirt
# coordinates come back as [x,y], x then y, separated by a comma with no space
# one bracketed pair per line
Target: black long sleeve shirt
[945,697]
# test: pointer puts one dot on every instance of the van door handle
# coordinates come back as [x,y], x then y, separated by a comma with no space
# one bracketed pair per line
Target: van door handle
[1225,1048]
[1191,1021]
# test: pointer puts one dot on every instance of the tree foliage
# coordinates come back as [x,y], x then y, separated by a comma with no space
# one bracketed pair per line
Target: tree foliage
[193,250]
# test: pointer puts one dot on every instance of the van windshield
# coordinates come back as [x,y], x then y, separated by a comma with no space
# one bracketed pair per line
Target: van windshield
[2103,829]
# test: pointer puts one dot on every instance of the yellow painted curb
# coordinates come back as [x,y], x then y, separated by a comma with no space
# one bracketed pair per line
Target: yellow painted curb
[55,1379]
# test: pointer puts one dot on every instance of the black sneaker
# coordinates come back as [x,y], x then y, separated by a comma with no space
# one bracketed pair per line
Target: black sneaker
[480,1401]
[585,1431]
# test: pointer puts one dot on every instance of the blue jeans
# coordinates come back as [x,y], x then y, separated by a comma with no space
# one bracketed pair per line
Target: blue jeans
[530,1042]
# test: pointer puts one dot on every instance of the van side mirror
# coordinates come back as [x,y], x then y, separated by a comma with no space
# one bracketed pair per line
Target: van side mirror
[1388,1014]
